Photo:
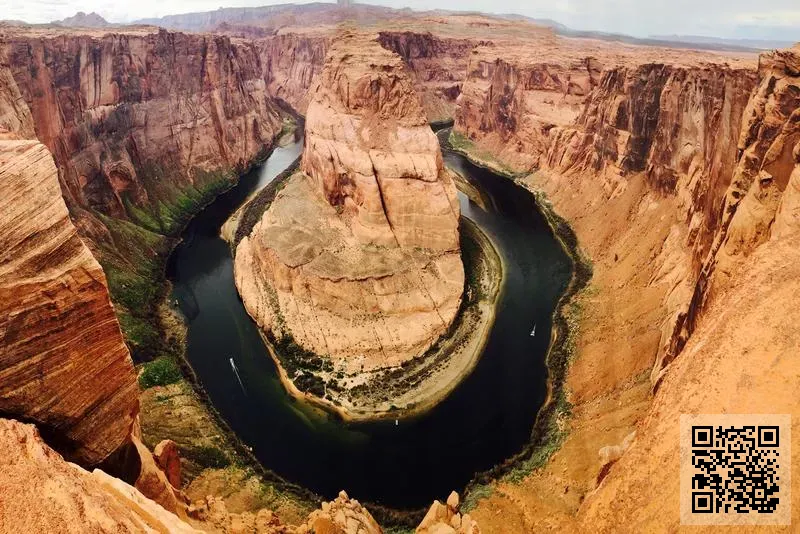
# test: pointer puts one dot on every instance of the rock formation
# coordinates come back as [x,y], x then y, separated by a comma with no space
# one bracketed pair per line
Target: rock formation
[342,515]
[40,492]
[678,173]
[358,257]
[672,119]
[437,65]
[292,62]
[63,363]
[119,110]
[445,519]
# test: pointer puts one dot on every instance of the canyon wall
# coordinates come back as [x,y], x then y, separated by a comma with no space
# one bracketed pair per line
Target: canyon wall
[134,118]
[437,64]
[358,256]
[145,127]
[63,363]
[679,175]
[675,122]
[291,63]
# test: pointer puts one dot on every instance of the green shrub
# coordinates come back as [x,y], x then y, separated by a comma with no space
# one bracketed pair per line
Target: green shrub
[160,372]
[207,456]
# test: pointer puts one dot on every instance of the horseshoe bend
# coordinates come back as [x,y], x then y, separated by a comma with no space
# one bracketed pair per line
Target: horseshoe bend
[356,269]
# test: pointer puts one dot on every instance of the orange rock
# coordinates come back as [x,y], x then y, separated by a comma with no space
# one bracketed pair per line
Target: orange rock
[40,492]
[169,461]
[358,257]
[63,363]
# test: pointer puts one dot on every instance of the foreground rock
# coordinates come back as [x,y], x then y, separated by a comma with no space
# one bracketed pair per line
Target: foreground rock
[63,363]
[43,493]
[445,519]
[357,259]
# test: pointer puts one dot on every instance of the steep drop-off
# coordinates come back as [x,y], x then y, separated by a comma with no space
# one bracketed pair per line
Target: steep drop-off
[145,126]
[677,174]
[63,363]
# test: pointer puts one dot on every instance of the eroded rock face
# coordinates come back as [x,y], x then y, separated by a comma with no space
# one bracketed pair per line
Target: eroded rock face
[63,363]
[437,65]
[674,120]
[43,493]
[292,62]
[134,119]
[358,256]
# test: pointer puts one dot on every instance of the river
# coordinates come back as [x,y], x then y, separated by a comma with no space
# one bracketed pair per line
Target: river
[487,418]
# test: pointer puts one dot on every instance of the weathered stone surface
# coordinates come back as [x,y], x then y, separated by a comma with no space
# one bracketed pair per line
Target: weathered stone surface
[292,63]
[169,461]
[437,65]
[673,118]
[153,483]
[40,492]
[115,109]
[445,519]
[358,257]
[343,515]
[63,363]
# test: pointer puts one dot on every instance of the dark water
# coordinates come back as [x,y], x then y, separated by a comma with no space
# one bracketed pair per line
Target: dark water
[488,417]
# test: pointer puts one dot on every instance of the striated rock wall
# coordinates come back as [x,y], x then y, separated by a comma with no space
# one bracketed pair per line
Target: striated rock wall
[358,257]
[63,363]
[510,102]
[134,118]
[437,65]
[291,63]
[607,118]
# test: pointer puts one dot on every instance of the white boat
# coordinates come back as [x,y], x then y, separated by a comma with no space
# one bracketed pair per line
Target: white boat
[533,332]
[236,372]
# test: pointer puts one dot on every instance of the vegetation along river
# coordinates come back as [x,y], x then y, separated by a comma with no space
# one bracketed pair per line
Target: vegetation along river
[489,416]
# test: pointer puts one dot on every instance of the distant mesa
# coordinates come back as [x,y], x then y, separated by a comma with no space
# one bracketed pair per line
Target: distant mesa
[83,20]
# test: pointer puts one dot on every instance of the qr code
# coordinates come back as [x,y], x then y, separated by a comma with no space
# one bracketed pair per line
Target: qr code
[737,467]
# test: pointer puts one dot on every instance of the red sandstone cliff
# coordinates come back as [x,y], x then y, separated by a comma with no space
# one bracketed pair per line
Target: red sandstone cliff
[674,121]
[63,363]
[119,110]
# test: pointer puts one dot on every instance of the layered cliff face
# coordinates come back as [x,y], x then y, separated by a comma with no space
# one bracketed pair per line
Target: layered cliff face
[437,65]
[510,102]
[291,64]
[145,127]
[63,363]
[358,256]
[675,123]
[121,110]
[680,179]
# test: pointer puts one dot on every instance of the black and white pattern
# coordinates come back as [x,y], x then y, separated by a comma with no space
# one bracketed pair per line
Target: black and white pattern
[735,469]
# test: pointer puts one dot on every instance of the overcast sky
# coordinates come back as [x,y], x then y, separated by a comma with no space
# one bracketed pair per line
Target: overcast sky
[766,19]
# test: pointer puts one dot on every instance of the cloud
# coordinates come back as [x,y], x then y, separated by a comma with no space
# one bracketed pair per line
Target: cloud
[722,18]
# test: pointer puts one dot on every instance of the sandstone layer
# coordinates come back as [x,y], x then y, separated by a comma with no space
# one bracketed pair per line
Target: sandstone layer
[357,259]
[63,363]
[43,493]
[677,173]
[145,127]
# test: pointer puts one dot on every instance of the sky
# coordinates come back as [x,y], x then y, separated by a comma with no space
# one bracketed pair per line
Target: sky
[759,19]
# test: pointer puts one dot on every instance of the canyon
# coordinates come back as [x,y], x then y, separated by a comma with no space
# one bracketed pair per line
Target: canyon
[677,169]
